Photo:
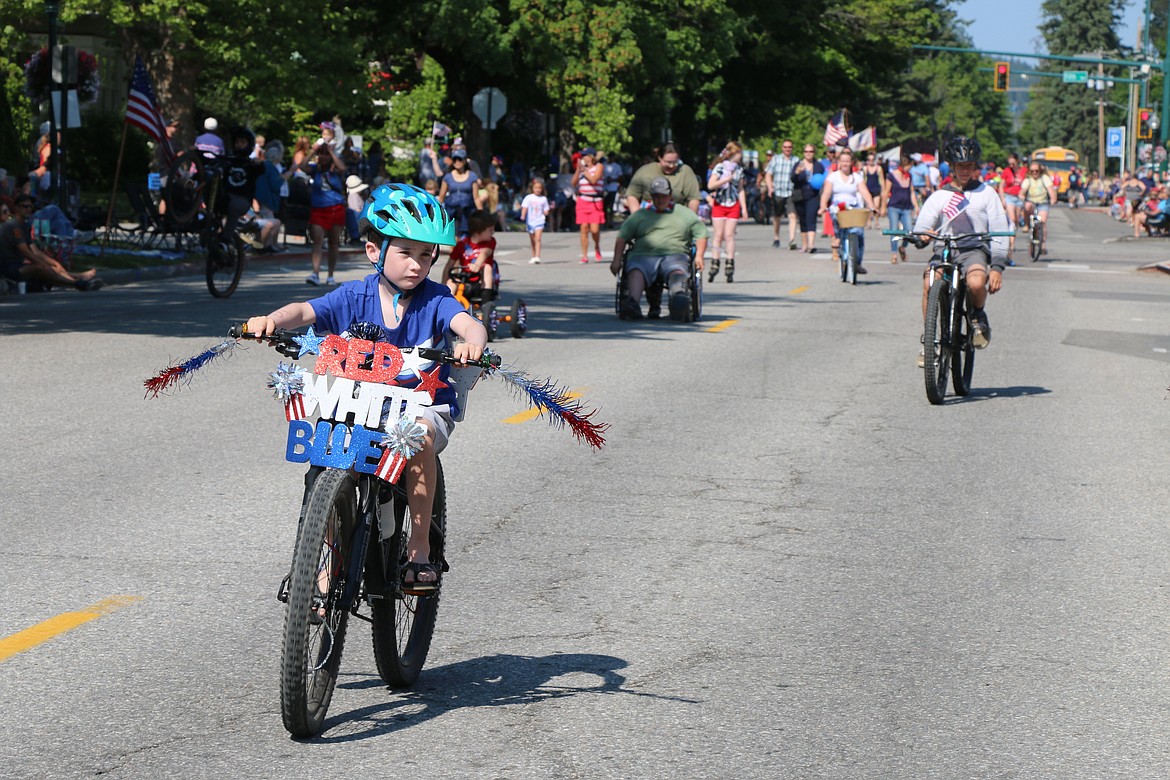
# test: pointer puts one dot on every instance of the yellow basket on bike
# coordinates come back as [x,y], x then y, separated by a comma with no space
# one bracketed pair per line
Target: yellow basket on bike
[853,218]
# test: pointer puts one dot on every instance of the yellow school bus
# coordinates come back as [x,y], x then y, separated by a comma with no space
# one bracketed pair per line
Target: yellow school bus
[1059,161]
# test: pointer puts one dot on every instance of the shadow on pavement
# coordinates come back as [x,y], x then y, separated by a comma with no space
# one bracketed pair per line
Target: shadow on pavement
[488,681]
[990,393]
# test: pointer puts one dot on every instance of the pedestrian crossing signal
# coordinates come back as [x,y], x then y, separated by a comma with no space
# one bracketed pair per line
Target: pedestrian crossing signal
[1003,72]
[1144,131]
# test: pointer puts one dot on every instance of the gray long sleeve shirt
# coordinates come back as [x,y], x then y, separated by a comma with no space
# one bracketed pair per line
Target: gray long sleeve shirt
[979,210]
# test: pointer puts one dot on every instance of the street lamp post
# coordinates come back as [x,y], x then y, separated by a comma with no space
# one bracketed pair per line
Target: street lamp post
[52,10]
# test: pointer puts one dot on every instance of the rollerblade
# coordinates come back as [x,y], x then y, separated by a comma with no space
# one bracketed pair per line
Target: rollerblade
[713,271]
[729,269]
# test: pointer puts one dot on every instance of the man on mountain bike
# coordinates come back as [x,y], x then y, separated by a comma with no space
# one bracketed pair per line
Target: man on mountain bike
[967,205]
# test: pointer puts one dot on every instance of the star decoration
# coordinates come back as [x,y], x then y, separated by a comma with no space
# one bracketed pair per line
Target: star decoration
[430,382]
[413,364]
[310,343]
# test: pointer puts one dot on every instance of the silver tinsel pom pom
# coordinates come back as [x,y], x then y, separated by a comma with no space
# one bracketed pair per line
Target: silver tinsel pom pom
[405,437]
[286,381]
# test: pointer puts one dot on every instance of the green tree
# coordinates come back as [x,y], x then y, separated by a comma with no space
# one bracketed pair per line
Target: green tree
[1060,114]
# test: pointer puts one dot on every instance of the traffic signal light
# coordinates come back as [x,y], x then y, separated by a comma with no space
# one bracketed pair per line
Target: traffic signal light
[1003,72]
[1144,131]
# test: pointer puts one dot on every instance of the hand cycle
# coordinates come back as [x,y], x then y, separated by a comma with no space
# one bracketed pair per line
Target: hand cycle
[347,554]
[852,223]
[946,340]
[196,198]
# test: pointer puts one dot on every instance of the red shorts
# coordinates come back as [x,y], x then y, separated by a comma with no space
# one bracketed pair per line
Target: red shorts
[328,217]
[590,212]
[725,212]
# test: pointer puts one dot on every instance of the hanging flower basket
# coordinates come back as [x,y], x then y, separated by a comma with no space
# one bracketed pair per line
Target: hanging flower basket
[38,73]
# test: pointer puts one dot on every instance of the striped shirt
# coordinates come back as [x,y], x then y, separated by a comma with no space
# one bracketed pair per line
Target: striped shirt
[587,190]
[781,168]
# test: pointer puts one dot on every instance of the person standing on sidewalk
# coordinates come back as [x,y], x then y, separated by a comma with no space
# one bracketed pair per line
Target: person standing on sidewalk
[778,180]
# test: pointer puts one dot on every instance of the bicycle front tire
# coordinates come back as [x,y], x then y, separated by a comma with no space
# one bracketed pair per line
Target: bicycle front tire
[1037,239]
[225,263]
[936,342]
[403,625]
[963,353]
[311,653]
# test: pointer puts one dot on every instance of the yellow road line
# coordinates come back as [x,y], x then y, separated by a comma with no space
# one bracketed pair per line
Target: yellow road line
[44,631]
[799,290]
[532,414]
[721,326]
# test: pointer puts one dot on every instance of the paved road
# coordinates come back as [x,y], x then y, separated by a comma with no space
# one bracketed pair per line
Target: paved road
[785,563]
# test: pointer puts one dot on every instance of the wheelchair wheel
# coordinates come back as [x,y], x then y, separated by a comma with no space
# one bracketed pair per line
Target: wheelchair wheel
[519,318]
[490,319]
[622,289]
[696,294]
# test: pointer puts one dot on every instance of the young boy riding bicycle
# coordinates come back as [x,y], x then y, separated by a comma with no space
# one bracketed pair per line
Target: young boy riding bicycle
[403,227]
[967,205]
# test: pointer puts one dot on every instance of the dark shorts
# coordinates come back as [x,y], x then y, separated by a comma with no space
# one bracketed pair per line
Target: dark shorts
[968,259]
[783,204]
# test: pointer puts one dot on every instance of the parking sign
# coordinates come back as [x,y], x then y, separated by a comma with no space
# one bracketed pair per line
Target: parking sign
[1114,140]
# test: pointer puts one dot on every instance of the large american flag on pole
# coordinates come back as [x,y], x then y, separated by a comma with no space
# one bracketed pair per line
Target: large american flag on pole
[836,130]
[142,108]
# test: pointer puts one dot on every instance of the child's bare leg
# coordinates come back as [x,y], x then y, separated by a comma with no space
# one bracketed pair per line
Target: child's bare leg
[421,475]
[536,242]
[317,234]
[334,247]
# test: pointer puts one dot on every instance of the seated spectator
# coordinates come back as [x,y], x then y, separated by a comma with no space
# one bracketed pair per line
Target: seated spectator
[23,261]
[1155,214]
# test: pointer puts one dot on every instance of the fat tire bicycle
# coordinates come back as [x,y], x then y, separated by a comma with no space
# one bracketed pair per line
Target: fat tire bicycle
[948,348]
[349,554]
[197,200]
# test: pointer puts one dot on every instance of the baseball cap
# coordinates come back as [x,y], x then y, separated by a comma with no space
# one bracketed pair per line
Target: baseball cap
[660,186]
[588,150]
[459,154]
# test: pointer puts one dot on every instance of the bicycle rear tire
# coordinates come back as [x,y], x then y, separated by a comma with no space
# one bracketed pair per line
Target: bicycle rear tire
[403,625]
[184,192]
[225,264]
[311,652]
[1037,239]
[963,351]
[936,342]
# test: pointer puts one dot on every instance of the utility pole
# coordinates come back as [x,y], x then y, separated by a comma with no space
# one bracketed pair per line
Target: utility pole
[1100,118]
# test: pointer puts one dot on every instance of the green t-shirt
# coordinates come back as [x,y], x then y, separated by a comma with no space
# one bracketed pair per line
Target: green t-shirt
[670,233]
[684,187]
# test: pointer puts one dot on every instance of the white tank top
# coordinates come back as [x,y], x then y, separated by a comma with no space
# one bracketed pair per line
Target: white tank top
[845,190]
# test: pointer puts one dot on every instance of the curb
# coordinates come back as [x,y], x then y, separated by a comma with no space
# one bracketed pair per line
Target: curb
[188,268]
[1164,267]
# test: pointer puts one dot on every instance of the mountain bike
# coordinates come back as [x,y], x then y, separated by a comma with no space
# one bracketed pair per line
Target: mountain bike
[852,226]
[947,345]
[350,554]
[196,199]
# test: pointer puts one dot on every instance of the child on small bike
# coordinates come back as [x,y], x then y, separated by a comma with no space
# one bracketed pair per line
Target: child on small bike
[403,228]
[475,255]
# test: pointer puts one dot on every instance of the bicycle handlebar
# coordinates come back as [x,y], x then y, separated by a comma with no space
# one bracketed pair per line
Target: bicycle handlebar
[952,237]
[284,342]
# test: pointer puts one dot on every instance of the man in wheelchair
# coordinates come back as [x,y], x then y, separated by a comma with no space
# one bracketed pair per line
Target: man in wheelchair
[661,254]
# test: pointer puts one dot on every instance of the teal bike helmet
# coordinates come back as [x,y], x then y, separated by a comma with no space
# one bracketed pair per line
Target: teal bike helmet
[404,211]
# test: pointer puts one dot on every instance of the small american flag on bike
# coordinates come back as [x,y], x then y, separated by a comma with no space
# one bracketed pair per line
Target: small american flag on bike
[955,205]
[294,407]
[836,130]
[142,109]
[390,466]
